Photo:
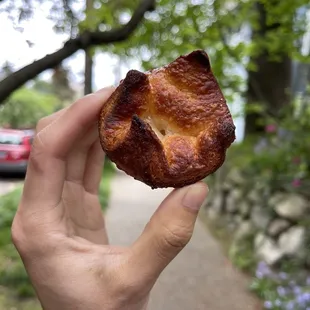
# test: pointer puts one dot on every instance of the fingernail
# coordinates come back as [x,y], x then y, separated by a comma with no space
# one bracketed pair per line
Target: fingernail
[195,196]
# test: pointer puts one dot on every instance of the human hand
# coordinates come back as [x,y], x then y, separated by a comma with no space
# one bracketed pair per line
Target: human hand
[59,229]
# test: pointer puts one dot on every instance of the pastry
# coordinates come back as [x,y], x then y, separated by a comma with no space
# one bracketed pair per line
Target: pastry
[169,127]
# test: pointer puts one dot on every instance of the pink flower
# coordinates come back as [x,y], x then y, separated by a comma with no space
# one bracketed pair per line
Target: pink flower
[296,183]
[271,128]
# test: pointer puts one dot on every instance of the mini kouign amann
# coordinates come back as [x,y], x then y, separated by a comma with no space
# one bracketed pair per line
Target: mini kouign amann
[169,127]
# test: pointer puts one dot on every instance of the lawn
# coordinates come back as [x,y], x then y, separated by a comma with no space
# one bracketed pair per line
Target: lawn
[15,290]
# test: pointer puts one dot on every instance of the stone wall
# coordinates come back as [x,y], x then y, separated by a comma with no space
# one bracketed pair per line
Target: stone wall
[276,223]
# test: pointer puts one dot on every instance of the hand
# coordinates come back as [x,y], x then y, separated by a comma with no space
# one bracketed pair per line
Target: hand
[59,229]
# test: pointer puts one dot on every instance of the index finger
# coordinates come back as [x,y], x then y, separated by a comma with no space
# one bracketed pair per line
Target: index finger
[47,164]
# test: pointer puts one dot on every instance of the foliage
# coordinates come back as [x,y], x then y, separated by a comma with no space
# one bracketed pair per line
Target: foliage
[242,253]
[12,272]
[7,301]
[223,28]
[8,205]
[62,13]
[60,85]
[280,290]
[280,159]
[104,189]
[7,69]
[25,107]
[72,17]
[238,38]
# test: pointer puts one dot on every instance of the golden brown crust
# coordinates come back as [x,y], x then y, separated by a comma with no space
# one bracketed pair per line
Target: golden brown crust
[169,127]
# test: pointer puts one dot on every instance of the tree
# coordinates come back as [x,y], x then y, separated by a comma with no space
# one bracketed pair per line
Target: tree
[88,74]
[7,69]
[251,45]
[247,41]
[82,39]
[25,107]
[60,84]
[270,81]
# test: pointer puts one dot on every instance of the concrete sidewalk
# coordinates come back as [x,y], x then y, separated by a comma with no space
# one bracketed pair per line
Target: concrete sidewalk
[7,186]
[200,278]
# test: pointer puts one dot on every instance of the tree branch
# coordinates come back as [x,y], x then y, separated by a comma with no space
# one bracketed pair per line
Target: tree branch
[84,41]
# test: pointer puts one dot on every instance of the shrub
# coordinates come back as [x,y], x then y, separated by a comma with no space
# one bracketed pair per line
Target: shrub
[279,158]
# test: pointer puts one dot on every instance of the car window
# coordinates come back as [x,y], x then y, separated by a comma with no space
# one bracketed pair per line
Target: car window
[9,138]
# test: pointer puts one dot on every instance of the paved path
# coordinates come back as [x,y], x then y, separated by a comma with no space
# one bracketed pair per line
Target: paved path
[200,278]
[7,185]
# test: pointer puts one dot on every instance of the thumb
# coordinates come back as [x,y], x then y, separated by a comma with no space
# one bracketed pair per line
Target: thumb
[169,230]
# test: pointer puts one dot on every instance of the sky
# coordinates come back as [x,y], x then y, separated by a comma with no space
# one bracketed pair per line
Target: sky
[17,51]
[39,31]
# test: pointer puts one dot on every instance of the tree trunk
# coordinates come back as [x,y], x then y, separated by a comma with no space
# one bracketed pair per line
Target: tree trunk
[88,73]
[270,84]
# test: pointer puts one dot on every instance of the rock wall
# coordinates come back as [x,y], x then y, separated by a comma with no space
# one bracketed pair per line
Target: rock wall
[277,224]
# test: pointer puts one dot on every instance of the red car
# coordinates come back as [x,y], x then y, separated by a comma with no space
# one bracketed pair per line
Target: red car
[15,148]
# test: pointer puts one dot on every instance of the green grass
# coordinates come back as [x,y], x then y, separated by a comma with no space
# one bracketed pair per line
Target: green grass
[16,291]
